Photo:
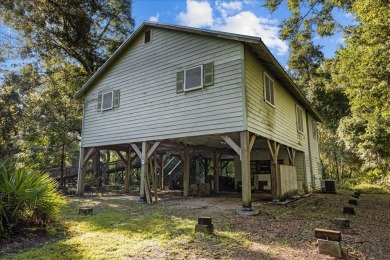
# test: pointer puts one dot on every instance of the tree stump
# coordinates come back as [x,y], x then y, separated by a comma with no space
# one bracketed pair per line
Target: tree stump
[86,211]
[326,234]
[204,225]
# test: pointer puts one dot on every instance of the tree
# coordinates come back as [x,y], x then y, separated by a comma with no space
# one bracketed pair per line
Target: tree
[85,31]
[363,71]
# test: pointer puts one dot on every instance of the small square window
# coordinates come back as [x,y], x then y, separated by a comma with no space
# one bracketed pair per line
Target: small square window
[299,112]
[269,90]
[148,36]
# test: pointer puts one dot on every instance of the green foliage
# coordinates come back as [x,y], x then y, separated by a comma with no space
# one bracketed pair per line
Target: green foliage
[26,196]
[365,187]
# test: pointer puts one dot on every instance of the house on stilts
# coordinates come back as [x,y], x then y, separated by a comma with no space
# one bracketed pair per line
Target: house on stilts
[178,91]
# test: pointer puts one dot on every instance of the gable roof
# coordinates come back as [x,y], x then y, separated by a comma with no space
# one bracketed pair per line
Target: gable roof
[255,43]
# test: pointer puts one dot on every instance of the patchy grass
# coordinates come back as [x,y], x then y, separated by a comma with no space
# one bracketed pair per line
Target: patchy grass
[120,228]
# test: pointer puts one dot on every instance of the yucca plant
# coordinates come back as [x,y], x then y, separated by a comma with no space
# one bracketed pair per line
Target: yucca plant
[26,196]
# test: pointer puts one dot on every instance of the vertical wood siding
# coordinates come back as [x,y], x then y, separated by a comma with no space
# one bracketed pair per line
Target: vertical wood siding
[150,108]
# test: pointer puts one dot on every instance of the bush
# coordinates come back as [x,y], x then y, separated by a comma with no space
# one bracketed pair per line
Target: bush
[365,187]
[26,196]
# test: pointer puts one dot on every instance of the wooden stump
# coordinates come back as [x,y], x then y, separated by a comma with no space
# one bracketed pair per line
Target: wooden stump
[353,202]
[331,248]
[326,234]
[205,221]
[86,211]
[348,210]
[341,222]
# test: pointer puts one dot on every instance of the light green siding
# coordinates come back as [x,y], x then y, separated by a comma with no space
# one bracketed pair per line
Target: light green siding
[150,108]
[278,123]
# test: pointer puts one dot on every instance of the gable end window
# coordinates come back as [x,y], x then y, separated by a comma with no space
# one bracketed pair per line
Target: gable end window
[147,36]
[299,113]
[195,77]
[108,100]
[269,94]
[315,129]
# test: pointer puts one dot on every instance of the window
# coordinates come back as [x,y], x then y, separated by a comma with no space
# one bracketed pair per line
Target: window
[299,119]
[147,36]
[195,77]
[315,129]
[108,100]
[269,90]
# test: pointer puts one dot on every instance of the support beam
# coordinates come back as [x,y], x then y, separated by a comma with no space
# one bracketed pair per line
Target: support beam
[291,155]
[231,143]
[217,170]
[128,171]
[163,158]
[81,173]
[144,168]
[245,170]
[89,155]
[137,151]
[154,147]
[124,160]
[275,175]
[155,177]
[251,143]
[186,175]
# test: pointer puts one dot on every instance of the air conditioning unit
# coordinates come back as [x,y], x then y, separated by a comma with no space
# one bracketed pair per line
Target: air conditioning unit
[328,186]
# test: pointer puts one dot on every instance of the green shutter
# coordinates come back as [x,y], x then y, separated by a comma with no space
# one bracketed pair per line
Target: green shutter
[99,103]
[208,74]
[116,98]
[179,82]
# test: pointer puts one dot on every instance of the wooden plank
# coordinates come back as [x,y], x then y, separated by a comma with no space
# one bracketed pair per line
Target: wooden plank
[186,175]
[231,143]
[326,234]
[252,142]
[136,150]
[121,157]
[89,155]
[271,150]
[154,147]
[155,177]
[81,173]
[144,168]
[245,170]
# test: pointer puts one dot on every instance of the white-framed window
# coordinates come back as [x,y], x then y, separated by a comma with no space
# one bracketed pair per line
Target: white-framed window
[314,129]
[299,113]
[108,100]
[269,93]
[195,77]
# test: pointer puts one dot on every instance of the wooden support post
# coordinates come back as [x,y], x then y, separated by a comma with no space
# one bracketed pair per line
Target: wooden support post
[128,171]
[163,158]
[144,168]
[107,168]
[291,155]
[155,177]
[275,175]
[186,176]
[81,173]
[245,170]
[217,168]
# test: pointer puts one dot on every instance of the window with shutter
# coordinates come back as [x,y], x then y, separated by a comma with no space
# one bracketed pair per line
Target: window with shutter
[193,78]
[108,100]
[269,93]
[299,113]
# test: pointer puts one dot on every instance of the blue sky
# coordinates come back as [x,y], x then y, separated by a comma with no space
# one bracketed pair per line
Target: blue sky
[238,16]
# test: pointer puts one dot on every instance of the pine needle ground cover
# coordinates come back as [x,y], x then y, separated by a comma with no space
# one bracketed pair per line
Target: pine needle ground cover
[121,228]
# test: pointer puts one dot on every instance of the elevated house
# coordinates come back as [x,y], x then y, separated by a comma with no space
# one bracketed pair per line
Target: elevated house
[174,90]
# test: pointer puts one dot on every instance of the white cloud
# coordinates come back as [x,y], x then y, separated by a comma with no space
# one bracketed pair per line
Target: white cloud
[230,17]
[248,23]
[198,14]
[154,18]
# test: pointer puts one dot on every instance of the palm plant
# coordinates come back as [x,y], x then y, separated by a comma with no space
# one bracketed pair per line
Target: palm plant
[26,196]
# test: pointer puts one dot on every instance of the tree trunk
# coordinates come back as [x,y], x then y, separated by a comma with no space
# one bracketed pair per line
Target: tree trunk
[62,181]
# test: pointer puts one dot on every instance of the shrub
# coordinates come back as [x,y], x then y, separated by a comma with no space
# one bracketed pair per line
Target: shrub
[365,187]
[26,196]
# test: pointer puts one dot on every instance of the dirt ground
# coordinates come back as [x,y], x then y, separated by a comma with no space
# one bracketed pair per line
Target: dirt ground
[279,231]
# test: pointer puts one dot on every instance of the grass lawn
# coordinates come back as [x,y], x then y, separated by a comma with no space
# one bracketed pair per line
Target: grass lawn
[121,228]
